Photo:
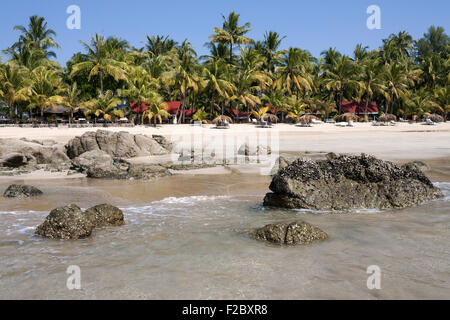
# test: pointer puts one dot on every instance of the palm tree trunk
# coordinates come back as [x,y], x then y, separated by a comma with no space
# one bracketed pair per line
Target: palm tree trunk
[100,74]
[365,109]
[11,113]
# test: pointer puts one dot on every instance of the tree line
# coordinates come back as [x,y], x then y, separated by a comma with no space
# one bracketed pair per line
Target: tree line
[406,77]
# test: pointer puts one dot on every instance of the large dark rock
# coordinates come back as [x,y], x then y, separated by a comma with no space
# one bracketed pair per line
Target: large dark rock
[348,182]
[116,144]
[105,215]
[292,233]
[68,222]
[21,191]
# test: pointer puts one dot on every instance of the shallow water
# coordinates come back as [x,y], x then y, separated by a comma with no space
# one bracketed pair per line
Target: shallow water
[184,240]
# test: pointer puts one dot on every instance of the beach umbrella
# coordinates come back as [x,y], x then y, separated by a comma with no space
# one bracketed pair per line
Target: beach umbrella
[387,117]
[307,118]
[270,117]
[222,119]
[348,117]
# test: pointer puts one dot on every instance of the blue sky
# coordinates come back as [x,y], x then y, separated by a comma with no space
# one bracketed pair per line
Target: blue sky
[312,25]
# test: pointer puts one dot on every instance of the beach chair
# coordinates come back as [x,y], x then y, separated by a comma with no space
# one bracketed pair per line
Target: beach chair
[430,122]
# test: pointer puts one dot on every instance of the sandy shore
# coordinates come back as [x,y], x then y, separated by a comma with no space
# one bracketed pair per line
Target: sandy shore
[403,141]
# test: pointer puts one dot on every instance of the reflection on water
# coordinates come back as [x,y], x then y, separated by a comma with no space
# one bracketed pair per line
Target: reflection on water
[184,240]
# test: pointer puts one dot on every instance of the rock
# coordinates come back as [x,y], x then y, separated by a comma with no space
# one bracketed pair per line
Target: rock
[349,182]
[105,215]
[92,159]
[21,152]
[21,191]
[147,171]
[116,144]
[416,163]
[14,160]
[70,222]
[280,163]
[332,155]
[293,233]
[67,222]
[121,170]
[245,150]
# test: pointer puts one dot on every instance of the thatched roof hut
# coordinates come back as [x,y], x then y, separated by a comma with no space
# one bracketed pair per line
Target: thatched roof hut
[222,119]
[348,117]
[435,117]
[307,118]
[57,110]
[270,117]
[387,117]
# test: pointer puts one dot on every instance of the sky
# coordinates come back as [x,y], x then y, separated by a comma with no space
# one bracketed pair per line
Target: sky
[311,25]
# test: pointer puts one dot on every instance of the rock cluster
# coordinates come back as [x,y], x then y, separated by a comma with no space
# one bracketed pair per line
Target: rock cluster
[349,182]
[292,233]
[70,222]
[21,191]
[117,144]
[32,154]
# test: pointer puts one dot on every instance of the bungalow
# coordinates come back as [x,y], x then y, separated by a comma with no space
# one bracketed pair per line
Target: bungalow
[359,108]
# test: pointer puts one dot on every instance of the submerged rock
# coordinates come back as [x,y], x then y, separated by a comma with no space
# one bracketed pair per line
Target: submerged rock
[105,215]
[349,182]
[289,233]
[21,191]
[70,222]
[67,222]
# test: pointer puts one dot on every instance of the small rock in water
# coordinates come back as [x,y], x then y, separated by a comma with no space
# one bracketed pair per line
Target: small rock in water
[67,222]
[21,191]
[293,233]
[70,222]
[105,215]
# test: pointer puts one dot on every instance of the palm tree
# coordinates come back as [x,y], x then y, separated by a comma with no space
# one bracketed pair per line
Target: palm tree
[260,113]
[249,80]
[104,105]
[440,101]
[371,82]
[141,88]
[297,108]
[159,45]
[294,72]
[69,99]
[396,82]
[156,109]
[231,33]
[269,49]
[215,82]
[36,36]
[45,86]
[12,83]
[340,76]
[100,62]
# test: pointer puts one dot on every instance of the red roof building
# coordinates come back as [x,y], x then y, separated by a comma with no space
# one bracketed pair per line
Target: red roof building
[172,107]
[359,108]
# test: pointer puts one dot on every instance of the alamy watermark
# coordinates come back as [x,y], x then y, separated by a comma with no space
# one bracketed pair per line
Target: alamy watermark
[374,20]
[73,22]
[74,280]
[374,280]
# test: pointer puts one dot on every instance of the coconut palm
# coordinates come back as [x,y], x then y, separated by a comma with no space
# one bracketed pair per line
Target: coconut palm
[339,77]
[371,82]
[156,109]
[70,98]
[440,101]
[269,49]
[13,80]
[104,105]
[45,88]
[294,72]
[200,115]
[396,82]
[215,82]
[99,62]
[260,113]
[36,36]
[297,107]
[231,33]
[141,88]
